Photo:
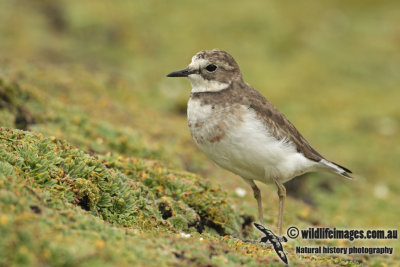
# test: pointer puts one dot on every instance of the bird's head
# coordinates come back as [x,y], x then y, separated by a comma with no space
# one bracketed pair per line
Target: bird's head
[210,70]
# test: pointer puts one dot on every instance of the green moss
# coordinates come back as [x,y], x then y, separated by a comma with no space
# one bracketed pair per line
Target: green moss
[93,74]
[46,185]
[121,190]
[61,206]
[13,106]
[179,222]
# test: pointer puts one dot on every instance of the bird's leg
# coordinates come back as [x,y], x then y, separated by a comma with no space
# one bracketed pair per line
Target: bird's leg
[257,196]
[282,197]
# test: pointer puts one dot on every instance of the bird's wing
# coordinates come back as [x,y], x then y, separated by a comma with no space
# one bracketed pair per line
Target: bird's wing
[278,125]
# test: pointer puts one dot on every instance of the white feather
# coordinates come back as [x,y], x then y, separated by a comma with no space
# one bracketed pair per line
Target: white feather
[247,149]
[201,85]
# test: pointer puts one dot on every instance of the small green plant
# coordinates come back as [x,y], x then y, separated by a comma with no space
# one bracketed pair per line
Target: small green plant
[121,190]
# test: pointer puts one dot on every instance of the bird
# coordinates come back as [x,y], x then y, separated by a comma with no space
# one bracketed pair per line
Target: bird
[244,133]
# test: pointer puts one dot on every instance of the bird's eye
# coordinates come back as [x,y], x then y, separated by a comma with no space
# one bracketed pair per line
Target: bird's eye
[211,68]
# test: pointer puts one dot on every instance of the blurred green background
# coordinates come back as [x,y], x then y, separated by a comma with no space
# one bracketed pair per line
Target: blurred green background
[332,67]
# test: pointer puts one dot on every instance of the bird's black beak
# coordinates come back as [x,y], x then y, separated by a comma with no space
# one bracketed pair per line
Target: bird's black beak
[181,73]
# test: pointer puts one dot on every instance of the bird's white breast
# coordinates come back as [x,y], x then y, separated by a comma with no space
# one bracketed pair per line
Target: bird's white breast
[237,140]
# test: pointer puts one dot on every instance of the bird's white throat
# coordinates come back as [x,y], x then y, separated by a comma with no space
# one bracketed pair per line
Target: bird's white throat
[199,84]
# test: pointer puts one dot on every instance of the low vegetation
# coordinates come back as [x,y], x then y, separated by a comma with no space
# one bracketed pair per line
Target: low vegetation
[97,167]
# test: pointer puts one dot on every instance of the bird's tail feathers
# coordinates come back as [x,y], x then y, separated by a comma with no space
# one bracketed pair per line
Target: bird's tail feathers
[337,169]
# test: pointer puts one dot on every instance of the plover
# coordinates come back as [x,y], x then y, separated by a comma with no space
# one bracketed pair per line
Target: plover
[241,131]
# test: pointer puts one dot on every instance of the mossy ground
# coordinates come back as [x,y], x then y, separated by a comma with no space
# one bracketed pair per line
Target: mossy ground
[100,171]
